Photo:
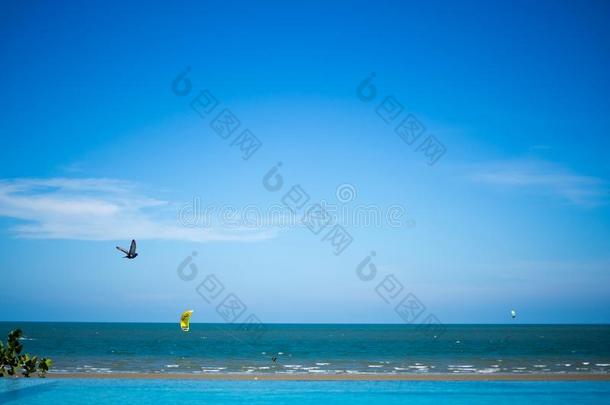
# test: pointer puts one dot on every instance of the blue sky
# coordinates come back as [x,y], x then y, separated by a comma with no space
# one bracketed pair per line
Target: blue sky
[97,149]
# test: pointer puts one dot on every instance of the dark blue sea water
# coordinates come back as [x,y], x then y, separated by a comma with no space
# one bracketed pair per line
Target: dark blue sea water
[334,349]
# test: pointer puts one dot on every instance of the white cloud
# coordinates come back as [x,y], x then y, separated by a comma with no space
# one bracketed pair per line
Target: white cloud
[101,209]
[544,178]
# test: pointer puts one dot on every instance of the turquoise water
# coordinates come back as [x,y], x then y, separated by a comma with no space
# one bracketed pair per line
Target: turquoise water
[74,391]
[310,349]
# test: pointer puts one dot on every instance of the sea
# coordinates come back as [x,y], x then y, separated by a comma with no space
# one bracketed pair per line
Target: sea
[163,348]
[317,348]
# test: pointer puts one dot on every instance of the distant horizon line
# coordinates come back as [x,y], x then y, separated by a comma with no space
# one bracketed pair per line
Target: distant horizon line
[322,323]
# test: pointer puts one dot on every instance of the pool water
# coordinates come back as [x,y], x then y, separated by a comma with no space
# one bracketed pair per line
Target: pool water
[134,391]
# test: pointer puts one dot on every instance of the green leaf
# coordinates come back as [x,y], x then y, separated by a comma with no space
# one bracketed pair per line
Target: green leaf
[11,359]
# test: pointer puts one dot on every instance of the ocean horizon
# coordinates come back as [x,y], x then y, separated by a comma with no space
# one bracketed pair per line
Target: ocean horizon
[96,347]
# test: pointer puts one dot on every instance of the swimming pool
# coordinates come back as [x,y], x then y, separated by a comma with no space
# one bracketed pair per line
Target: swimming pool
[79,391]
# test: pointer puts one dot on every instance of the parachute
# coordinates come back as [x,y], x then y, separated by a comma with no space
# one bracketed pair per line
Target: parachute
[513,313]
[185,320]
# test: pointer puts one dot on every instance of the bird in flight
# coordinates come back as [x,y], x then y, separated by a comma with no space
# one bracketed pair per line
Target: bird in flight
[131,254]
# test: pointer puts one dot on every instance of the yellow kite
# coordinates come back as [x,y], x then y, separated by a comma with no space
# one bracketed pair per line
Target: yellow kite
[185,320]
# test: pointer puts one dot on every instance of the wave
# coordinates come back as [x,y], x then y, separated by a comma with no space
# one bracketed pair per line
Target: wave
[487,370]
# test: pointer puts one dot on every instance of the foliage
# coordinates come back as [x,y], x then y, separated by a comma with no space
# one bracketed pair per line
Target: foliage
[11,359]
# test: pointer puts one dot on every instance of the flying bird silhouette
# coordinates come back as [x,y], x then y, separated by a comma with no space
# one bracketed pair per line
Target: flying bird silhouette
[131,254]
